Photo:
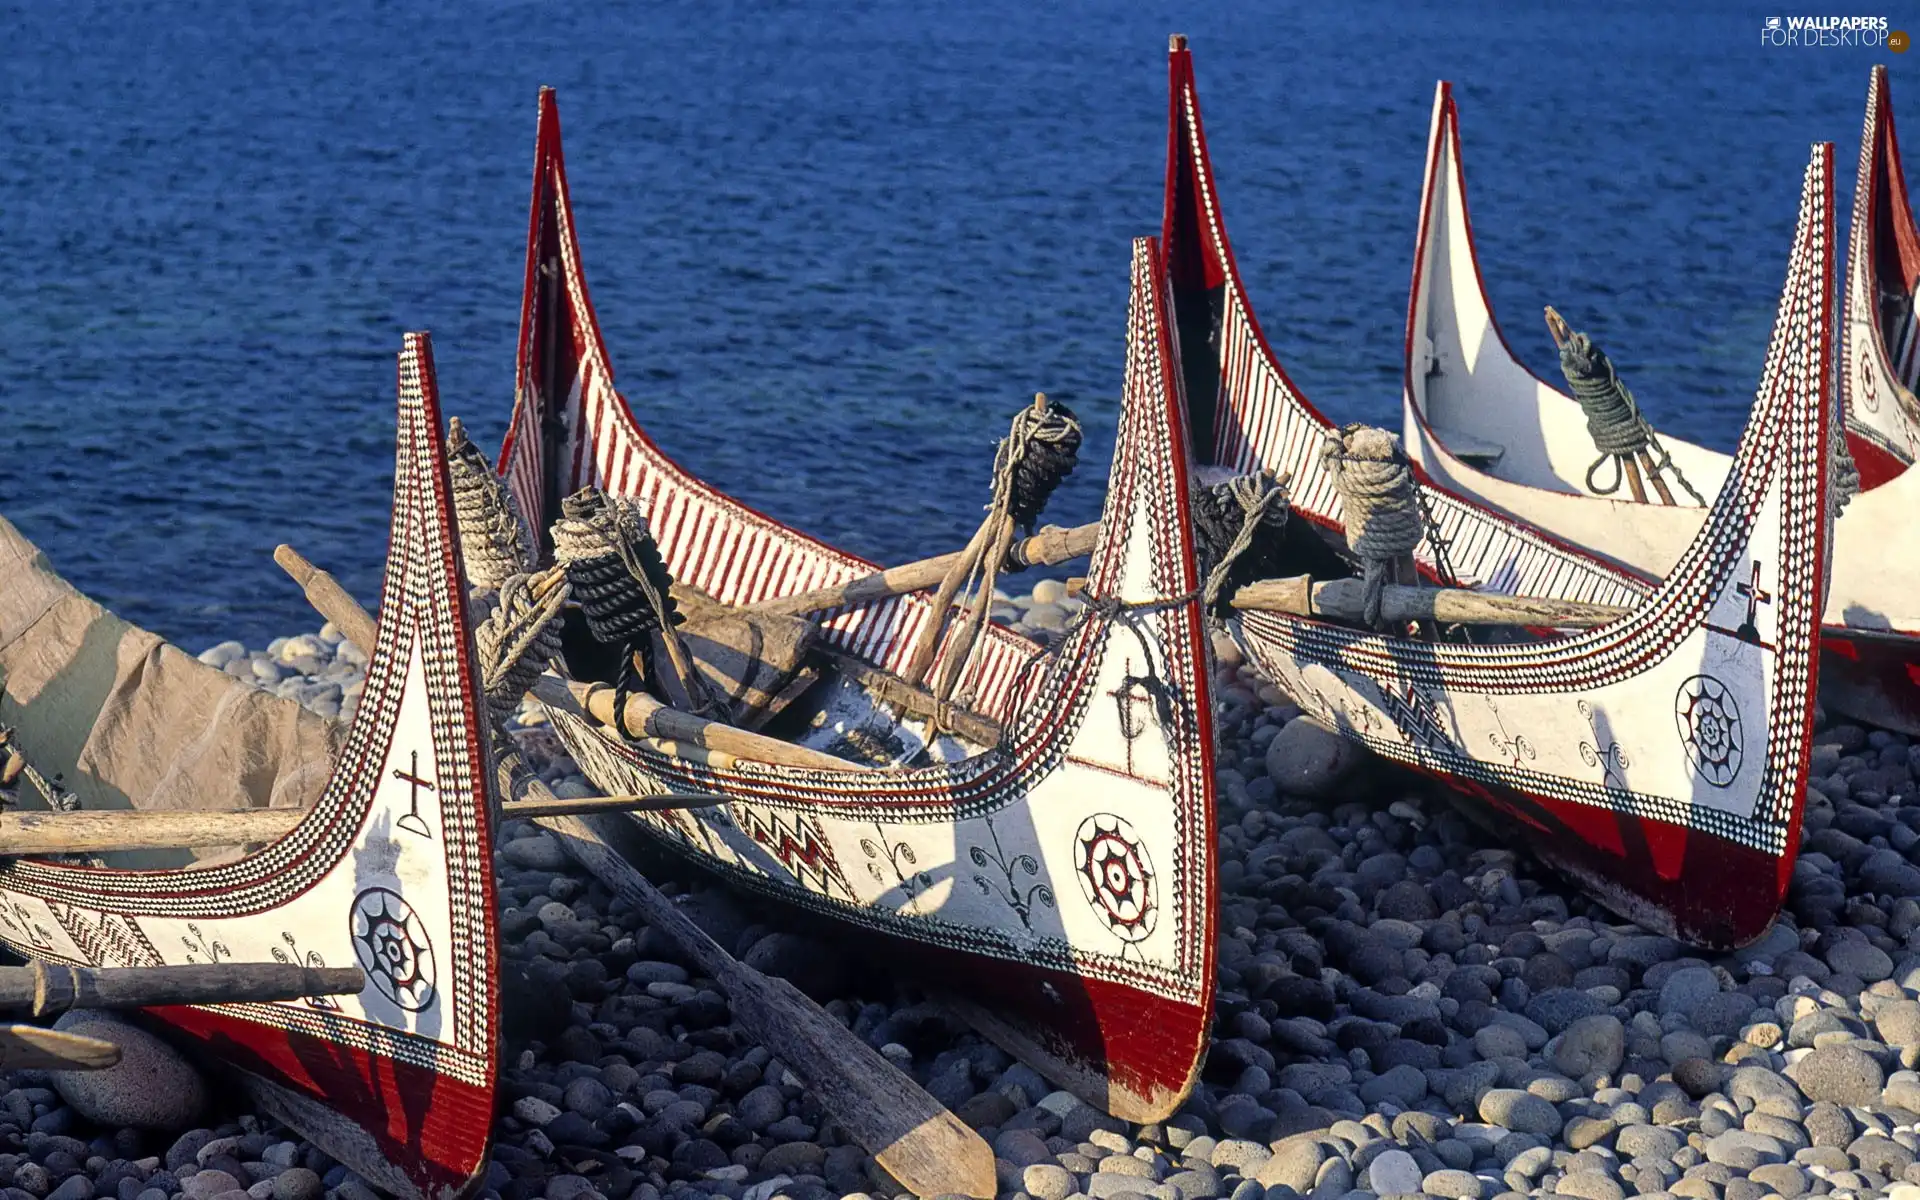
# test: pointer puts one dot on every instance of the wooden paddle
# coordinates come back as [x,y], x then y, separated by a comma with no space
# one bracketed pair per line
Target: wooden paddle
[32,1048]
[908,1132]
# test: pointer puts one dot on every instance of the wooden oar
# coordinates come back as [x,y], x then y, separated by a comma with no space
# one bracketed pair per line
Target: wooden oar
[48,989]
[1049,547]
[32,1048]
[909,1133]
[1345,600]
[643,716]
[329,598]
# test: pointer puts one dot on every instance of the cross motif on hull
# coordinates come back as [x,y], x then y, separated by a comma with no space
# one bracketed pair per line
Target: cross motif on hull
[1756,596]
[413,822]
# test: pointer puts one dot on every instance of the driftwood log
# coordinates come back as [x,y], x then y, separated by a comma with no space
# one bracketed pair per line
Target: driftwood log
[328,598]
[1049,547]
[49,989]
[32,1048]
[1345,600]
[908,1132]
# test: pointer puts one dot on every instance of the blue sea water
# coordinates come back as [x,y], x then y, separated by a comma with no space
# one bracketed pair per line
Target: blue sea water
[833,247]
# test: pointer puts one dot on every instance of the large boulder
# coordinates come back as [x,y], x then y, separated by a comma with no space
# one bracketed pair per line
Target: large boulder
[151,1087]
[1307,759]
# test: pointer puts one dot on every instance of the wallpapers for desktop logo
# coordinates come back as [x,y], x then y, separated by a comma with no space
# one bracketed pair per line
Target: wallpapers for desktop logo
[1866,32]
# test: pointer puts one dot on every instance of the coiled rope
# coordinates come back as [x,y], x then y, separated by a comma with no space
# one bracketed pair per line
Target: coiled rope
[1041,449]
[494,542]
[519,638]
[623,588]
[1619,432]
[1384,517]
[1239,525]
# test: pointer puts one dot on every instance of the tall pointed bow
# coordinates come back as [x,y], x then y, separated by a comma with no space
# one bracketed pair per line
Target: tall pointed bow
[389,870]
[1660,760]
[1246,413]
[559,348]
[1882,337]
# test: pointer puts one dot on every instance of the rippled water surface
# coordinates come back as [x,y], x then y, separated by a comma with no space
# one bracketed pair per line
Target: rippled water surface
[833,247]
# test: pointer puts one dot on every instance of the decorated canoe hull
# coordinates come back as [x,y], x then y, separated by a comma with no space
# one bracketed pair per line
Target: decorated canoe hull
[1659,760]
[1485,427]
[390,869]
[1062,882]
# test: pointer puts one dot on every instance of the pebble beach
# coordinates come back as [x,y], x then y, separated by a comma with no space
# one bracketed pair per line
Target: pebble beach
[1405,1008]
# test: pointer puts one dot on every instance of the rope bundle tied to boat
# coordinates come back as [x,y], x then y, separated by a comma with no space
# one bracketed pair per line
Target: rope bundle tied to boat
[623,588]
[1041,449]
[14,767]
[1381,499]
[1240,525]
[1844,477]
[518,639]
[494,542]
[1619,432]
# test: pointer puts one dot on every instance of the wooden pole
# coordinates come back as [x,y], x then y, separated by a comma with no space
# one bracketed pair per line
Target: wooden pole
[1632,471]
[646,717]
[1653,476]
[98,831]
[1345,600]
[329,598]
[1561,331]
[917,701]
[976,618]
[907,1131]
[49,989]
[31,1048]
[1051,546]
[928,643]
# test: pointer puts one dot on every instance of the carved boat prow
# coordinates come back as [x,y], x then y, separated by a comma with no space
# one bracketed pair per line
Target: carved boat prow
[390,868]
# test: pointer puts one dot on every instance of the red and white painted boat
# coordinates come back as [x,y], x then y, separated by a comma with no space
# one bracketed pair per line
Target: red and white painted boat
[390,868]
[1486,428]
[1061,880]
[1881,338]
[1660,760]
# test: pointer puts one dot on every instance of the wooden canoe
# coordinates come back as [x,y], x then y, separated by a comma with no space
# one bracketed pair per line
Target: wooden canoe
[1484,426]
[1063,878]
[1659,760]
[390,868]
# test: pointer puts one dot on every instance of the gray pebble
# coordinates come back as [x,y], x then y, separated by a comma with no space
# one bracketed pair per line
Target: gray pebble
[1513,1109]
